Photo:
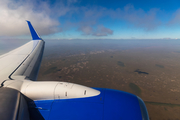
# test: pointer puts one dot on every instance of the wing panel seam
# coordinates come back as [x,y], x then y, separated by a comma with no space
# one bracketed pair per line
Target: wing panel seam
[17,68]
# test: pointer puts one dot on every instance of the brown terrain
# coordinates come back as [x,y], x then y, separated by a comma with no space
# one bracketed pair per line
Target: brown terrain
[151,72]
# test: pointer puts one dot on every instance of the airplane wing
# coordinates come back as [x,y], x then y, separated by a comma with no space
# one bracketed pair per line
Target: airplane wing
[24,61]
[24,98]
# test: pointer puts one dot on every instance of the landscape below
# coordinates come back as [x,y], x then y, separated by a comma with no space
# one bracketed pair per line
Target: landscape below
[146,68]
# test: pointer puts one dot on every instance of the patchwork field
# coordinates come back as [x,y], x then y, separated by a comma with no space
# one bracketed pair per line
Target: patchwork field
[150,72]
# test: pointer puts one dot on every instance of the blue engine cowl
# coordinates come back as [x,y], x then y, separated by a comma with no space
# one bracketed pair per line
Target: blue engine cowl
[108,105]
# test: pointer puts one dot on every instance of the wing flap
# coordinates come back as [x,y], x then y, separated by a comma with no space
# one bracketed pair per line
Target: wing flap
[11,63]
[30,63]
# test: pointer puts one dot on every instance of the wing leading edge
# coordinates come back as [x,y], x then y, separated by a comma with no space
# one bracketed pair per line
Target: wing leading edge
[23,62]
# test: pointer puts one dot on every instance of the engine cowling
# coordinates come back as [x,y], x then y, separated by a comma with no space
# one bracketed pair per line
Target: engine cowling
[57,90]
[63,100]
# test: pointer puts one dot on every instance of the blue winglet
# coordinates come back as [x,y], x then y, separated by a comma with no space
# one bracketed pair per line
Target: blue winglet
[34,34]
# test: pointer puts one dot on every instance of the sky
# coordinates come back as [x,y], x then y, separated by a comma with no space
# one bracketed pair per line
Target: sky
[91,19]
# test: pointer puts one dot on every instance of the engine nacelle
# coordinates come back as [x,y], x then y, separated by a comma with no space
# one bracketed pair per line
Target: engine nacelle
[57,90]
[68,101]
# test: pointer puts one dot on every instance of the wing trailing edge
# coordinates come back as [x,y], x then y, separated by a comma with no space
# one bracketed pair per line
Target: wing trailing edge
[33,32]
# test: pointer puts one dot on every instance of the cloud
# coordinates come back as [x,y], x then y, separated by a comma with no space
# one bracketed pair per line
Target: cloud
[45,17]
[147,20]
[140,18]
[14,13]
[98,31]
[102,31]
[87,30]
[175,18]
[91,17]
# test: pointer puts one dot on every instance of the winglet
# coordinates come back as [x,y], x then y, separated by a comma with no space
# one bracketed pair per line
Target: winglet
[34,34]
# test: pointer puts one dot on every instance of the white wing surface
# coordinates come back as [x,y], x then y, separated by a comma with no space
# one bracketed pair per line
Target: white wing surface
[24,61]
